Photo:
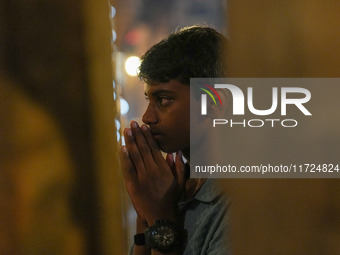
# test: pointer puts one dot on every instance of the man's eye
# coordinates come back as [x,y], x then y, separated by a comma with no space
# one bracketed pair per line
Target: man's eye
[164,101]
[146,98]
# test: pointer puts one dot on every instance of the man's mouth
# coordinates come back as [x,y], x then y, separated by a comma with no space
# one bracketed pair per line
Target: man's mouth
[156,134]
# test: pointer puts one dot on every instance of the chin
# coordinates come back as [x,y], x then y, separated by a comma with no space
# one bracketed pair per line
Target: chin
[170,148]
[167,149]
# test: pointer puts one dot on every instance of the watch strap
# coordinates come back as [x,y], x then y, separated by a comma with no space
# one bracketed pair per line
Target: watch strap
[139,239]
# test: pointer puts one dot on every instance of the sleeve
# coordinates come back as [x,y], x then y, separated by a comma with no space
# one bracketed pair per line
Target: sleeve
[219,244]
[220,239]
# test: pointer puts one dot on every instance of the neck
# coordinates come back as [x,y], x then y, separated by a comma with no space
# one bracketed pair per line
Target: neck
[186,154]
[192,185]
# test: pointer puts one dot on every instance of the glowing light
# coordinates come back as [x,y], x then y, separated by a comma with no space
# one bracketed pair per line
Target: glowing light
[124,106]
[132,65]
[114,35]
[117,124]
[113,11]
[118,136]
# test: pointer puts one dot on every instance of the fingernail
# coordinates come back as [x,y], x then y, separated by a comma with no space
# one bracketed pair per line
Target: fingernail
[134,124]
[129,132]
[144,127]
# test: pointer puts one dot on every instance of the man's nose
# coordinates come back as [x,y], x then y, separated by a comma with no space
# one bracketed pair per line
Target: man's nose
[149,117]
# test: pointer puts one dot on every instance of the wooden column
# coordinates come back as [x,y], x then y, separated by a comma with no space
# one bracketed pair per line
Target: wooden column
[285,39]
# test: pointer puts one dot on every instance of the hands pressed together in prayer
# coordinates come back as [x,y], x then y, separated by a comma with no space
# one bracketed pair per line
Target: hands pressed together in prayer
[154,183]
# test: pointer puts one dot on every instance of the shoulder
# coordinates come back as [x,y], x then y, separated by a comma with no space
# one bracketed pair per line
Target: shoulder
[206,220]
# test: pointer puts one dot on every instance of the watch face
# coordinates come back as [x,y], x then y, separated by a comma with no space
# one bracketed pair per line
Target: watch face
[163,236]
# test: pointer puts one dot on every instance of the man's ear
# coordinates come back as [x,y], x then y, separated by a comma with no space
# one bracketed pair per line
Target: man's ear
[219,109]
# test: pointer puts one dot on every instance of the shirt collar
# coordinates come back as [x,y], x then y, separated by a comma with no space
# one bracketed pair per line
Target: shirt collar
[209,191]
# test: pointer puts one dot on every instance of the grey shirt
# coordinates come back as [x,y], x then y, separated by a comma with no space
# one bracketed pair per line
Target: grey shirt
[206,221]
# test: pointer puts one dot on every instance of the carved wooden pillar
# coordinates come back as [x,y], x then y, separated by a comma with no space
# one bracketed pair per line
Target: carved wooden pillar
[285,39]
[56,82]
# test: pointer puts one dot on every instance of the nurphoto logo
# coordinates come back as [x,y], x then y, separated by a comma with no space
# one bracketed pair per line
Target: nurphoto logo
[300,97]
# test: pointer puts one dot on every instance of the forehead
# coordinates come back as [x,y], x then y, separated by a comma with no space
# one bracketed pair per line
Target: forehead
[172,86]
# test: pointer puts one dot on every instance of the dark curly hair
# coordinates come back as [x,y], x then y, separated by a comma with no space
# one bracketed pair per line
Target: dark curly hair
[192,52]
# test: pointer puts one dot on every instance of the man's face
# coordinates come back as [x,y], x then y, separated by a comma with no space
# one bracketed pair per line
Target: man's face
[168,115]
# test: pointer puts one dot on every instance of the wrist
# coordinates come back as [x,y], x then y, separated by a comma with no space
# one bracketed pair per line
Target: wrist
[169,215]
[141,225]
[139,237]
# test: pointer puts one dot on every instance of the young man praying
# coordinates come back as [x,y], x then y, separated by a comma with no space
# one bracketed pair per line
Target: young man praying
[175,214]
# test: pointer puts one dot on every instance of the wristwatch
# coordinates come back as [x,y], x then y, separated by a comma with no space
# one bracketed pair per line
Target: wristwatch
[163,236]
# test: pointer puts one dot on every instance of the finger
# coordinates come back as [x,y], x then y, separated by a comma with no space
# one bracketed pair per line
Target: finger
[143,146]
[170,160]
[180,169]
[130,177]
[128,169]
[155,150]
[135,156]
